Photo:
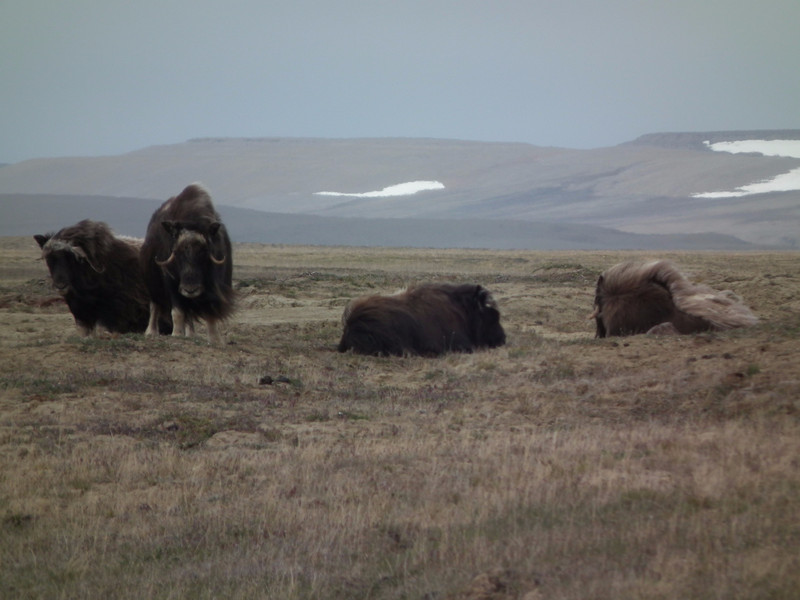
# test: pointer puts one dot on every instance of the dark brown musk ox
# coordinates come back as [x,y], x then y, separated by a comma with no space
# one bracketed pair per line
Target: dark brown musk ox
[187,261]
[654,297]
[99,276]
[427,320]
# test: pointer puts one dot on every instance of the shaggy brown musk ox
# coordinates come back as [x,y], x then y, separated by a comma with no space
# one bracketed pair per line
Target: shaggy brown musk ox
[187,261]
[99,276]
[654,297]
[428,320]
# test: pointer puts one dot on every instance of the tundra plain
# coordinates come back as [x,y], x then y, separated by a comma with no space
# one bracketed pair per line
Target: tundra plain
[558,466]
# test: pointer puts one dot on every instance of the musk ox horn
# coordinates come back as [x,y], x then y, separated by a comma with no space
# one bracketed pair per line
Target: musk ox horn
[81,253]
[216,261]
[164,263]
[55,245]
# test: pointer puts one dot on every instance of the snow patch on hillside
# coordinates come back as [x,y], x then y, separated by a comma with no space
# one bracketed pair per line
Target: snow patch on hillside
[786,182]
[400,189]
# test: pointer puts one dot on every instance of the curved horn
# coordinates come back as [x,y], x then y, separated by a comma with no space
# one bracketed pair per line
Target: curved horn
[81,253]
[216,261]
[164,263]
[58,245]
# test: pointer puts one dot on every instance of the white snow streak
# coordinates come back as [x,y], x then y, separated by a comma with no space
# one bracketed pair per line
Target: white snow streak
[401,189]
[785,182]
[789,148]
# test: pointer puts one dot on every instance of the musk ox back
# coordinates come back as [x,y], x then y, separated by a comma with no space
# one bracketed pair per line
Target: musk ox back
[187,261]
[655,297]
[99,276]
[428,319]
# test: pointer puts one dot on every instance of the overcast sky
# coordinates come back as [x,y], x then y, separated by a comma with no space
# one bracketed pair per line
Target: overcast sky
[89,77]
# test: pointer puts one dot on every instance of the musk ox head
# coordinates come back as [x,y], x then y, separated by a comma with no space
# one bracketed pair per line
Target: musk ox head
[654,297]
[75,255]
[195,252]
[483,316]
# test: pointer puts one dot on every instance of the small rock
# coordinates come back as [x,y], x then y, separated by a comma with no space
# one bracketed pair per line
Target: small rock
[269,380]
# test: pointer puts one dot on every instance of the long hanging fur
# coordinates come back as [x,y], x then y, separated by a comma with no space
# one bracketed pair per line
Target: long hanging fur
[634,297]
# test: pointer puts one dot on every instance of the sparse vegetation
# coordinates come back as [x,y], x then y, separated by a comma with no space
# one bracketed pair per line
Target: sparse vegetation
[558,466]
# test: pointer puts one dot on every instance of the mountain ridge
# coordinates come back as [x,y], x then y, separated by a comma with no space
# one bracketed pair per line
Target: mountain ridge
[32,214]
[644,186]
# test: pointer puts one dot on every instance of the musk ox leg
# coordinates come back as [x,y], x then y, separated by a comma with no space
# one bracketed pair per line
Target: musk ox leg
[152,324]
[214,334]
[84,329]
[179,323]
[665,328]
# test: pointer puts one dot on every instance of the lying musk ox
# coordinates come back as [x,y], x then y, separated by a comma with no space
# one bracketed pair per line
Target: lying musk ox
[99,276]
[428,319]
[188,264]
[656,298]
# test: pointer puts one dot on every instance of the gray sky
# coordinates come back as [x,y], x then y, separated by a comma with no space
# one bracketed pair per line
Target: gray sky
[90,77]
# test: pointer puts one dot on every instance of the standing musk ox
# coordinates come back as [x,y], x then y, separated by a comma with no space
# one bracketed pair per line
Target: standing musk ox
[428,320]
[188,264]
[99,276]
[656,298]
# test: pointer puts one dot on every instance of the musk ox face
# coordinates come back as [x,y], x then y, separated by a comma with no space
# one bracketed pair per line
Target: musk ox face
[483,316]
[66,263]
[426,320]
[76,256]
[195,254]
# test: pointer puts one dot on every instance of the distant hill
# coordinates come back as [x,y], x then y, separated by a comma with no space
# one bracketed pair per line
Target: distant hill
[696,139]
[30,214]
[641,187]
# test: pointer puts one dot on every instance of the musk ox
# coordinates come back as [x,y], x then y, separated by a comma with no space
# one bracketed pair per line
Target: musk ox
[187,262]
[654,297]
[99,276]
[427,320]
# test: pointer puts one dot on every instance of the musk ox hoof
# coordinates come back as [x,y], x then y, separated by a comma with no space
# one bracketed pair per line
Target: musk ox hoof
[666,328]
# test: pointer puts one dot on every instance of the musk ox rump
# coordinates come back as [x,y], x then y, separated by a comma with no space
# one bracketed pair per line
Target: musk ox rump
[654,297]
[99,276]
[187,261]
[428,320]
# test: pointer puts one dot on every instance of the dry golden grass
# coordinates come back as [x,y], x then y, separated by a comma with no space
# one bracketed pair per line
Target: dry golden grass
[558,466]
